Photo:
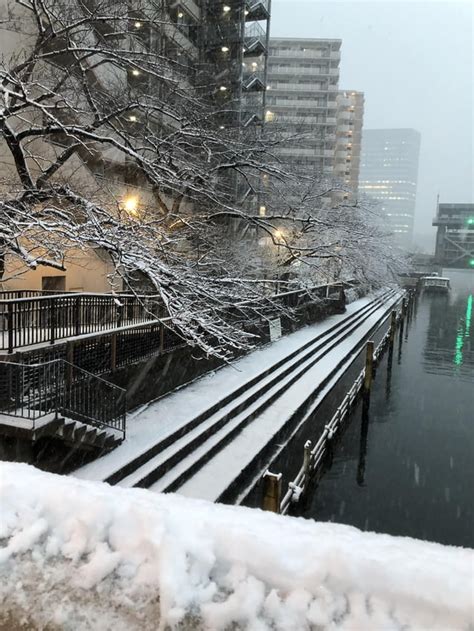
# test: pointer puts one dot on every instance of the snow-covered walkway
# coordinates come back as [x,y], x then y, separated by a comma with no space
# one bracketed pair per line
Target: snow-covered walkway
[84,556]
[156,420]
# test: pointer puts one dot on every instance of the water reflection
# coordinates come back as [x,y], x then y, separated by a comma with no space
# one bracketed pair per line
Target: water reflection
[402,464]
[448,347]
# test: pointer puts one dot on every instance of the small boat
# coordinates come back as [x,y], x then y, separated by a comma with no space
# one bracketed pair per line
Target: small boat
[435,284]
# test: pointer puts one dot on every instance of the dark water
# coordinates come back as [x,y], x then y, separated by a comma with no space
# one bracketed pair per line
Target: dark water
[407,467]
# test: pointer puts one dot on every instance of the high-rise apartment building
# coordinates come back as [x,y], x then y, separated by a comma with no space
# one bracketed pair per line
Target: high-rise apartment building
[389,173]
[350,115]
[303,85]
[304,98]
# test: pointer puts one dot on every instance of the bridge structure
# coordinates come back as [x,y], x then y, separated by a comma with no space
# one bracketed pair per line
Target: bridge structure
[455,236]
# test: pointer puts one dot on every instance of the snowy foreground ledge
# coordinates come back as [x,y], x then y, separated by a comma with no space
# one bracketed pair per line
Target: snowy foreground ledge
[82,555]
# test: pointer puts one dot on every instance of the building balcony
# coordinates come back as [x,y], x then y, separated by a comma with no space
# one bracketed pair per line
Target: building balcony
[297,71]
[308,103]
[308,53]
[344,101]
[296,87]
[344,116]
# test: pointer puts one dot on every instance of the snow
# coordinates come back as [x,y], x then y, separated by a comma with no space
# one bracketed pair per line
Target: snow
[218,474]
[80,555]
[157,420]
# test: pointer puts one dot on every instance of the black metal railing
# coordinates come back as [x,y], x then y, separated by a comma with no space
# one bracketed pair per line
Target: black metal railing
[34,391]
[39,319]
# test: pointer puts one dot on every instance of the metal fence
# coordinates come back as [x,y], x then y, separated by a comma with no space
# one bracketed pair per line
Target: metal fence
[313,456]
[26,321]
[33,391]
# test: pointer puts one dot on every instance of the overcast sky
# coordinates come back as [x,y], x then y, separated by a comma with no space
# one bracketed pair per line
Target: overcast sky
[414,61]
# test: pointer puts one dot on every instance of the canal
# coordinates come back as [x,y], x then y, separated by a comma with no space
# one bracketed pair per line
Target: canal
[405,466]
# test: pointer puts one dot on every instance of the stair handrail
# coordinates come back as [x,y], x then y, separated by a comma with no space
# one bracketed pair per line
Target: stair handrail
[60,398]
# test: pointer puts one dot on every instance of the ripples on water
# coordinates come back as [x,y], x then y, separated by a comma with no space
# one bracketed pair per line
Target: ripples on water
[406,467]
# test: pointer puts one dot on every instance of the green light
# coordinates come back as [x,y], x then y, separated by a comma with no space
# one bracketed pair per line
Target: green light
[471,262]
[462,335]
[470,221]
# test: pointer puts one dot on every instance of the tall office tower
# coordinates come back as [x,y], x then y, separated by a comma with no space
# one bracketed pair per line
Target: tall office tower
[389,173]
[350,115]
[303,76]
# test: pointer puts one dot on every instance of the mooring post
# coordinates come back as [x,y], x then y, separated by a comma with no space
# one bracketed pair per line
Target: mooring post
[369,365]
[393,326]
[404,307]
[271,491]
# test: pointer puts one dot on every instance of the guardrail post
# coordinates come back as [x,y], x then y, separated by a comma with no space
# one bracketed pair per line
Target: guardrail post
[52,323]
[77,315]
[113,352]
[271,491]
[369,365]
[306,460]
[10,327]
[70,360]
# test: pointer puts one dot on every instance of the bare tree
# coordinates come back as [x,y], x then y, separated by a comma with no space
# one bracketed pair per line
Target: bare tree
[114,142]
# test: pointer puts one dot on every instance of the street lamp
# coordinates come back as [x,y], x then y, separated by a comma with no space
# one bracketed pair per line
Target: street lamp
[130,205]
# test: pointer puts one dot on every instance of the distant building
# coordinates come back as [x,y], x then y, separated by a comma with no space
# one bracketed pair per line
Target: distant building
[303,85]
[350,116]
[303,98]
[389,174]
[455,236]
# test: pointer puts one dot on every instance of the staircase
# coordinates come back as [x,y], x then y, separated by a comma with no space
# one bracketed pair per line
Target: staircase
[58,400]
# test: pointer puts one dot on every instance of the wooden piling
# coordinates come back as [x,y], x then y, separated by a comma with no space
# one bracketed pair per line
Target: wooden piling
[369,365]
[393,326]
[271,491]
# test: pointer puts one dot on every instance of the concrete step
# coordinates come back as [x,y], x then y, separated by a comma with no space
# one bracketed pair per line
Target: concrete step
[270,384]
[219,407]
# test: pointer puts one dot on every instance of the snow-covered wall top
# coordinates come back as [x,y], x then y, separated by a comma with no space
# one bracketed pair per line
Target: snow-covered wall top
[82,555]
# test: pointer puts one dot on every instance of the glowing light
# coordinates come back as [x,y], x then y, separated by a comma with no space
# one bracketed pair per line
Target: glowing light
[180,14]
[462,335]
[226,8]
[132,118]
[262,211]
[269,116]
[135,72]
[223,88]
[130,205]
[138,25]
[225,49]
